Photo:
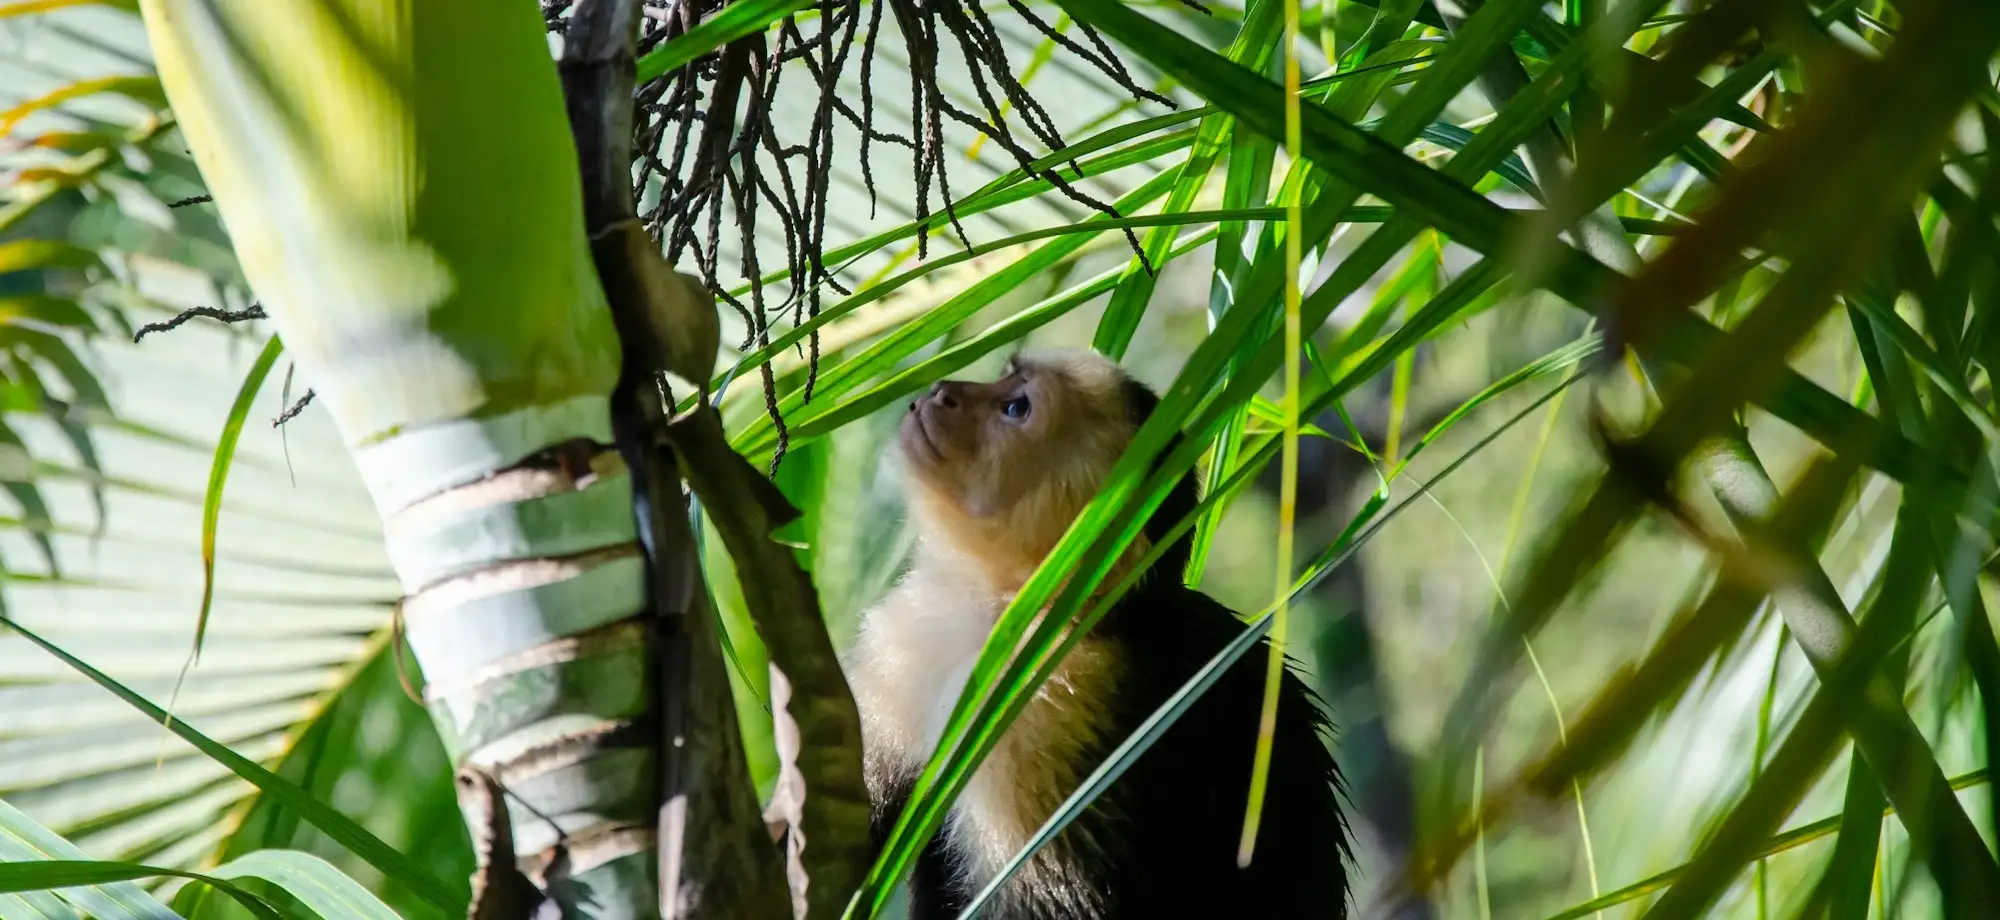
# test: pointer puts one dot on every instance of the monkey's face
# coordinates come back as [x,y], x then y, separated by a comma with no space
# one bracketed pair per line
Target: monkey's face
[1003,468]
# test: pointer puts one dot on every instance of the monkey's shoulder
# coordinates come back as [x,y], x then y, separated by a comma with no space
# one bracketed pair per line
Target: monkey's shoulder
[1182,804]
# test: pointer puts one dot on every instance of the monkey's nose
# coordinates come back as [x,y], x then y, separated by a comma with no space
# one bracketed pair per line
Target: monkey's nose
[942,394]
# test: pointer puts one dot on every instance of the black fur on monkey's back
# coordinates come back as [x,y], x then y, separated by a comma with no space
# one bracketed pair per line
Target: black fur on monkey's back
[1169,828]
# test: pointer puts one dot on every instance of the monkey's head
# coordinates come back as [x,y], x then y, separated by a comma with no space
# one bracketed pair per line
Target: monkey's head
[1000,470]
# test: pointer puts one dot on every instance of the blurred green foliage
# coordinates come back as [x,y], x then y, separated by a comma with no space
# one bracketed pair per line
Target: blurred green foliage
[1589,654]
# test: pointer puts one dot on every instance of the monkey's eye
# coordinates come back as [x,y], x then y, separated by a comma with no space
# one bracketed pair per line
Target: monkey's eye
[1016,408]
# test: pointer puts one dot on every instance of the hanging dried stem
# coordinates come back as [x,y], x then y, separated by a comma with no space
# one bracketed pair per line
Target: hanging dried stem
[219,314]
[707,144]
[292,411]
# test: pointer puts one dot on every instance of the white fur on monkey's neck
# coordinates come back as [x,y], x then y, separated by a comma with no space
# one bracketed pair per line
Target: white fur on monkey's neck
[953,537]
[927,633]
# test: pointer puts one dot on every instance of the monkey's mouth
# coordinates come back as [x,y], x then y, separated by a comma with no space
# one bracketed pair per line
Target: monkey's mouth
[917,438]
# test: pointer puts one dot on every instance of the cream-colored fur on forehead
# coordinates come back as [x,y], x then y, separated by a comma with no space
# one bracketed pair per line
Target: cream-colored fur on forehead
[1098,378]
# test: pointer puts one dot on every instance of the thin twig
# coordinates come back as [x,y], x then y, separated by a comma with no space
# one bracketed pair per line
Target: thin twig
[294,411]
[254,311]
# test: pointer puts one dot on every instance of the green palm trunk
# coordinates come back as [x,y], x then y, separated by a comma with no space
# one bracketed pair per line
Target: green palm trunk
[402,190]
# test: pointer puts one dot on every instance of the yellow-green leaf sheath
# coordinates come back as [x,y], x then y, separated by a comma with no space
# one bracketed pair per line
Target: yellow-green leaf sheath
[400,184]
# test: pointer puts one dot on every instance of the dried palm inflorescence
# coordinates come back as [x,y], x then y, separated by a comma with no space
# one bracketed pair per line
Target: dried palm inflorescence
[707,144]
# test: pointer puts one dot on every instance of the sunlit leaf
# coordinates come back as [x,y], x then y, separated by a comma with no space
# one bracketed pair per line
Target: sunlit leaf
[145,89]
[339,827]
[218,475]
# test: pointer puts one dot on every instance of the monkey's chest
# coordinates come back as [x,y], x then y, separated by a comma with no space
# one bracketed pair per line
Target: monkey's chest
[907,673]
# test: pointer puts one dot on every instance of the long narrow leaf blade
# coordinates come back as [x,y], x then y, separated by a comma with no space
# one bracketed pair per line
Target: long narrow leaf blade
[731,23]
[68,876]
[218,475]
[309,878]
[319,814]
[25,843]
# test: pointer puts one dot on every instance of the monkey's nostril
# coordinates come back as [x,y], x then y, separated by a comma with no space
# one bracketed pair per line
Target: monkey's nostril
[941,394]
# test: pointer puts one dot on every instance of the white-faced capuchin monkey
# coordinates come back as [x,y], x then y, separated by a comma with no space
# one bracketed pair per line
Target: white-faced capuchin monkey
[997,473]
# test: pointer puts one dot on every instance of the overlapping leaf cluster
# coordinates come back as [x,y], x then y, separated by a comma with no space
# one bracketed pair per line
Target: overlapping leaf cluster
[1726,192]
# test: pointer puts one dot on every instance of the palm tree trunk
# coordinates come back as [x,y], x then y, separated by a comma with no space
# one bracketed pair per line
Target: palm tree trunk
[402,189]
